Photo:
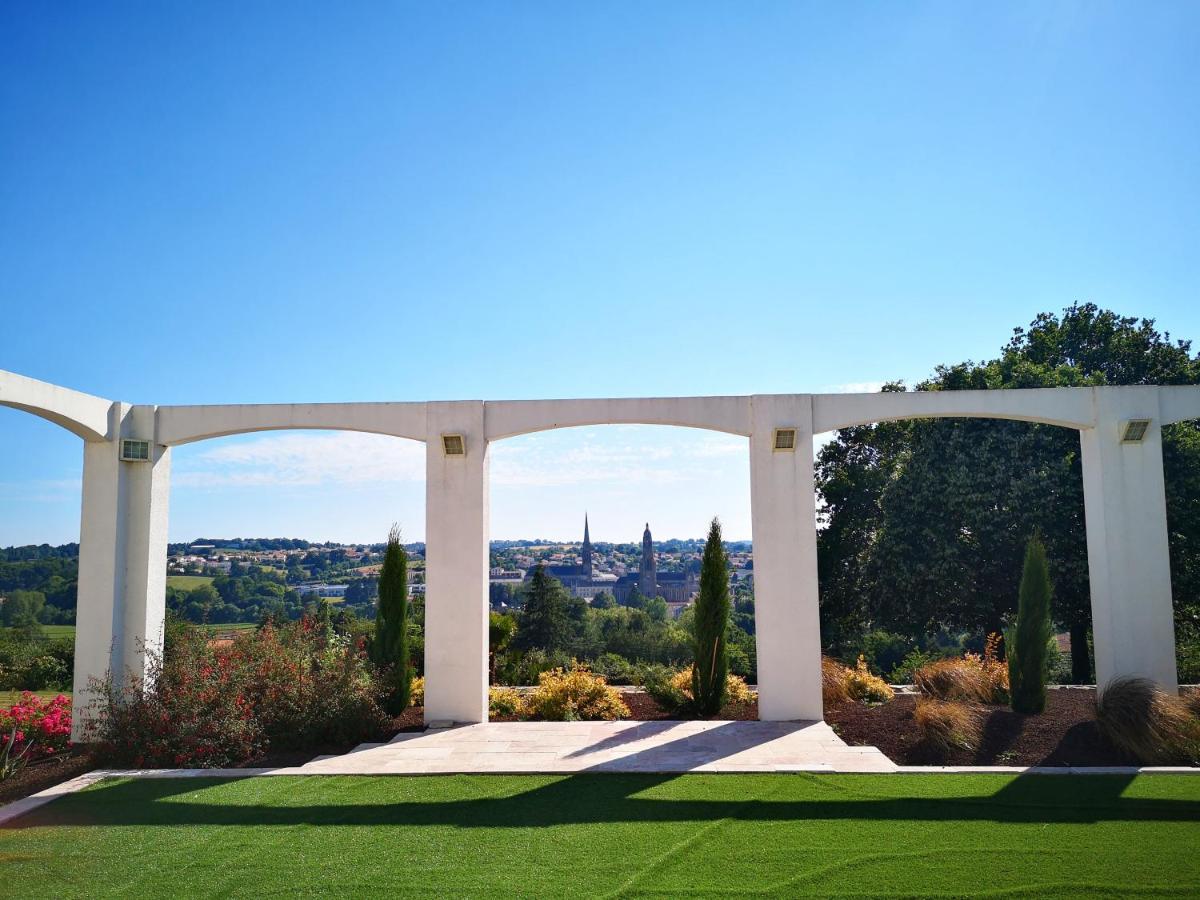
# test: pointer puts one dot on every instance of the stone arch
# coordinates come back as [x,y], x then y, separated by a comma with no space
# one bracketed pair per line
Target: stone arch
[82,414]
[177,425]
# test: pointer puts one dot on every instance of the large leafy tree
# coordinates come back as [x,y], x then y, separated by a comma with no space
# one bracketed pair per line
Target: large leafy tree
[926,520]
[544,622]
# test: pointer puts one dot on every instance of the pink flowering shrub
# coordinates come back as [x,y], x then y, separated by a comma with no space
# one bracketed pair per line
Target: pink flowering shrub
[211,703]
[42,727]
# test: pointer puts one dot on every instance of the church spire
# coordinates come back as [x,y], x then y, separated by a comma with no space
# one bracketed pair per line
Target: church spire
[586,567]
[647,571]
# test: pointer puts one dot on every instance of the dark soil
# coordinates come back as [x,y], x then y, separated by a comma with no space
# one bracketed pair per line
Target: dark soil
[45,774]
[1065,734]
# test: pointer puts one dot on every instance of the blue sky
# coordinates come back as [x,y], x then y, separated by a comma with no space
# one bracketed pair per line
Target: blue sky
[282,202]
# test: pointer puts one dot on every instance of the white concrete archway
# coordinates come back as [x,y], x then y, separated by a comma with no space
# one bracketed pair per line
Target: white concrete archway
[125,513]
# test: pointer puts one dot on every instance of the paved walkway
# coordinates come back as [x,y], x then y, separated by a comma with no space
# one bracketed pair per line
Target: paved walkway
[669,747]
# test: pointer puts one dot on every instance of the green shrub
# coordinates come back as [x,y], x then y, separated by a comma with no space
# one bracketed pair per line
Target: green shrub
[615,669]
[885,652]
[207,704]
[662,685]
[1149,724]
[916,659]
[1027,641]
[1187,652]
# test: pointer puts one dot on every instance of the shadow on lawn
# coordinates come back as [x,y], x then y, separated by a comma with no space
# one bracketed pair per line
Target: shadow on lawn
[580,799]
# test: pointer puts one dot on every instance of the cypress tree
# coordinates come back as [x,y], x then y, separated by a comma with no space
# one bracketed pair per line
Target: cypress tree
[543,623]
[389,650]
[711,622]
[1027,640]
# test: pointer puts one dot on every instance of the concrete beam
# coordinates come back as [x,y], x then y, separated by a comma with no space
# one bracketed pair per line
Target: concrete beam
[81,414]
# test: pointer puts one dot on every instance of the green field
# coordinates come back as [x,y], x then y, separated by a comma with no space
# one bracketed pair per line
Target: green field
[615,835]
[233,626]
[188,582]
[52,632]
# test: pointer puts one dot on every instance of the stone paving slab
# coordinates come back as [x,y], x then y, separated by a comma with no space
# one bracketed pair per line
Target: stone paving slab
[561,747]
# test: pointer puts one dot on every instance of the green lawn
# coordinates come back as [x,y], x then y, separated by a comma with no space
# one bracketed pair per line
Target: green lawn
[597,835]
[188,582]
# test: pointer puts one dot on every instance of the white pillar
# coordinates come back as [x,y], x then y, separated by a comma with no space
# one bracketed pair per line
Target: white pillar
[456,565]
[783,514]
[122,558]
[1129,563]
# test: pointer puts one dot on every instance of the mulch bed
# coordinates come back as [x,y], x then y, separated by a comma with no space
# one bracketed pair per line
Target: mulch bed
[42,775]
[1065,734]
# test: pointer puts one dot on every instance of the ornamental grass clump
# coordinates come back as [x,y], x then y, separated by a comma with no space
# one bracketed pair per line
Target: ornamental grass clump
[568,695]
[1152,726]
[971,678]
[835,679]
[947,725]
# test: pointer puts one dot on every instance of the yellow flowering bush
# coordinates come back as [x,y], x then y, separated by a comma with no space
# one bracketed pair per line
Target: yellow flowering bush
[504,701]
[417,692]
[862,685]
[736,689]
[573,694]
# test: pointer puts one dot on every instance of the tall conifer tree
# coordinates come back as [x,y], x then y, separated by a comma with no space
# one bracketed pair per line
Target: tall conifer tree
[543,623]
[711,622]
[389,650]
[1027,641]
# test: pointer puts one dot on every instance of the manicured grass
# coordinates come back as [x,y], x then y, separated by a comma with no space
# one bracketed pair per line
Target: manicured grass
[188,582]
[591,835]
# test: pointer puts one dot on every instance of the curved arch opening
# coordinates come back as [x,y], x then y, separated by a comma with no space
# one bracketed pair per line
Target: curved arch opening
[623,613]
[923,523]
[278,522]
[40,499]
[1181,471]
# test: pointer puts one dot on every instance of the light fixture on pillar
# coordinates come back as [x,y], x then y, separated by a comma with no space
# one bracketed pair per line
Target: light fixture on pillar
[1134,431]
[785,439]
[135,451]
[454,445]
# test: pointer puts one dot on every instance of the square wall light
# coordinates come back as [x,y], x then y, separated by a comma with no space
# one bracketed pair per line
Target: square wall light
[785,439]
[1134,431]
[135,451]
[454,445]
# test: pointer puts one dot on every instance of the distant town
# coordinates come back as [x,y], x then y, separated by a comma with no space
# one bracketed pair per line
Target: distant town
[281,570]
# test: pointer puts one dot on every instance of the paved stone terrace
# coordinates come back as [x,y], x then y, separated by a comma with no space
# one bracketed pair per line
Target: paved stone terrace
[556,747]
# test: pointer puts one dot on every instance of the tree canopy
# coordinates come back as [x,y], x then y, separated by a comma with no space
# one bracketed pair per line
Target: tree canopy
[926,520]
